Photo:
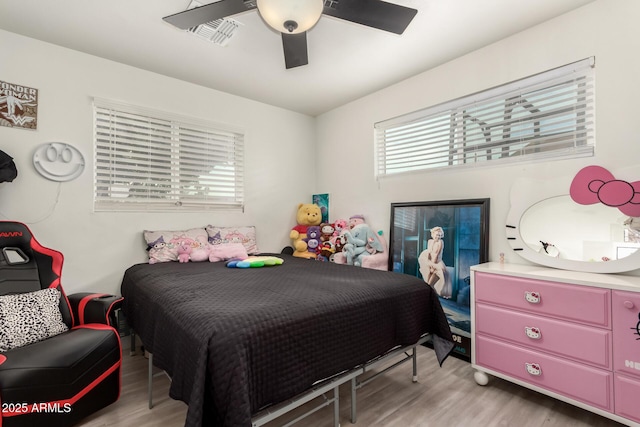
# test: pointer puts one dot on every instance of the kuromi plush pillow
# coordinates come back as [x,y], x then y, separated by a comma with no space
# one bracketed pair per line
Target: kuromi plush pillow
[163,245]
[245,235]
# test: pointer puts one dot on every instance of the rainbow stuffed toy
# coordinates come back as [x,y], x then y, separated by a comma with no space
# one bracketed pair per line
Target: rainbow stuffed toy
[255,262]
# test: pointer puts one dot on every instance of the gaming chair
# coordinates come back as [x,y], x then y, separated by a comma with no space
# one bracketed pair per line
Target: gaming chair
[59,380]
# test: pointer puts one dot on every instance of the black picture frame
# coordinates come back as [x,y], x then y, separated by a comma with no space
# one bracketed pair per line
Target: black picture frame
[466,242]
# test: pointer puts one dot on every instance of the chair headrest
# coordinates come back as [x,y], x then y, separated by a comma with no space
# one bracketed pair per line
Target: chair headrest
[26,265]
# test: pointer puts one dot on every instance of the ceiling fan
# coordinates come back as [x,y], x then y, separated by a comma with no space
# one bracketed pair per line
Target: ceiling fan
[294,17]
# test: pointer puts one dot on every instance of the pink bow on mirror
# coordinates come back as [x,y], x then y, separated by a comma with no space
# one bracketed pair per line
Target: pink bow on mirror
[595,184]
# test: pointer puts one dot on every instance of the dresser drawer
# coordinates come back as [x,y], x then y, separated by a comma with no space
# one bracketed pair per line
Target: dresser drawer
[627,391]
[575,380]
[626,338]
[589,305]
[581,343]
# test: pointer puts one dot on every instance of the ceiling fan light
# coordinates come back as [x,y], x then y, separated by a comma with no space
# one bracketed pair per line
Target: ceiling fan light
[290,16]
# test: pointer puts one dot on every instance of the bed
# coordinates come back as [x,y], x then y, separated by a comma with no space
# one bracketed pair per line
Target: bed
[236,341]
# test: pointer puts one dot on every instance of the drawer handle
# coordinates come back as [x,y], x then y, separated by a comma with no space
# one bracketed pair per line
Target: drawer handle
[532,297]
[628,304]
[533,369]
[533,332]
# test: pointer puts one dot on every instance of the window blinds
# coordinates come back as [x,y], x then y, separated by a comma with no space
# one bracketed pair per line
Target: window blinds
[548,115]
[148,160]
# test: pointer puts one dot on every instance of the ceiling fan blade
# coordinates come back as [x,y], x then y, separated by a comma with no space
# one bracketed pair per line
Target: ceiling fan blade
[372,13]
[295,49]
[209,12]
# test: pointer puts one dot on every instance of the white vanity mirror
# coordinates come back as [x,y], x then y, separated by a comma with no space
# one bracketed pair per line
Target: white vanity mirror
[553,230]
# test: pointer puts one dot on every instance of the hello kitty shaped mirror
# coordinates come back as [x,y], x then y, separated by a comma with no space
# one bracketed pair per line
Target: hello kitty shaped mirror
[594,228]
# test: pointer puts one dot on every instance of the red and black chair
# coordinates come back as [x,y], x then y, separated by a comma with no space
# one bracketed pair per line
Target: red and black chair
[61,379]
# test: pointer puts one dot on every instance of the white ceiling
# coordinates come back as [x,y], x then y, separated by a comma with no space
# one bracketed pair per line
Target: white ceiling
[346,60]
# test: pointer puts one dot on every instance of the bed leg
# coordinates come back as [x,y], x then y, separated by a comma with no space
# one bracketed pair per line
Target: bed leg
[353,401]
[150,383]
[415,364]
[336,406]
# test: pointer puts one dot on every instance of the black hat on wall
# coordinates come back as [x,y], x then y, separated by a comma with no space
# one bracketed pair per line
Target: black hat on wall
[8,171]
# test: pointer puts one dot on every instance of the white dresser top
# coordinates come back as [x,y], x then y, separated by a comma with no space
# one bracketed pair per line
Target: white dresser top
[610,281]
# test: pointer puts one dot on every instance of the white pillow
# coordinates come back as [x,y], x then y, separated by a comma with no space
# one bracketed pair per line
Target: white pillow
[30,317]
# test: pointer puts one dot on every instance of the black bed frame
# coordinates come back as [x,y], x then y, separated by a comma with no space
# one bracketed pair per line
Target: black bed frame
[321,388]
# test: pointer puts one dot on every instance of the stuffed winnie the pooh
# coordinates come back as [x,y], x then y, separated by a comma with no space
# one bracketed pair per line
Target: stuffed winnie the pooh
[307,214]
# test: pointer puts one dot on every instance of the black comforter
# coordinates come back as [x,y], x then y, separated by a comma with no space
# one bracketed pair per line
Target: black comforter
[237,340]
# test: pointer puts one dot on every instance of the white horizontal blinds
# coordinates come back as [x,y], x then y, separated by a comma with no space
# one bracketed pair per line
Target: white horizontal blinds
[549,115]
[211,166]
[144,161]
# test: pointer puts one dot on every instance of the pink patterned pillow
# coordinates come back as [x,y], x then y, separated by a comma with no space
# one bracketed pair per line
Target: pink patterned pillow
[245,235]
[163,245]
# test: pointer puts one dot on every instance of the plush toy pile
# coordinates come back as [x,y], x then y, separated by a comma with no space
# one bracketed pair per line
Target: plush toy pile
[315,240]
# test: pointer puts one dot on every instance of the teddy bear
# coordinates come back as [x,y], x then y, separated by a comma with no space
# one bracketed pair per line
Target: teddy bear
[184,252]
[339,226]
[306,215]
[326,231]
[313,238]
[339,242]
[325,251]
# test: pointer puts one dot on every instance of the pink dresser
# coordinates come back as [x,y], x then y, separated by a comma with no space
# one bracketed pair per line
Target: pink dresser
[573,336]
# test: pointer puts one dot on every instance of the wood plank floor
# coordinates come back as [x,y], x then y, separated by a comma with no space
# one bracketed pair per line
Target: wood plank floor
[446,396]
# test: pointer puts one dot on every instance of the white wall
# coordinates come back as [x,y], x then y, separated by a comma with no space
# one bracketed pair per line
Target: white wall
[606,29]
[98,247]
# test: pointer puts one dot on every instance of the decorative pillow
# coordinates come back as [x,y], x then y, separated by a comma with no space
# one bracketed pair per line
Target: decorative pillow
[30,317]
[245,235]
[163,245]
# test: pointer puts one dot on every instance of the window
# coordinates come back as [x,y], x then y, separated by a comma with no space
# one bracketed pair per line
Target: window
[149,160]
[548,115]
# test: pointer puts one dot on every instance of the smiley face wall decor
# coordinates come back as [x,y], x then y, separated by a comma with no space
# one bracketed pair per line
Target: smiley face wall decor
[58,161]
